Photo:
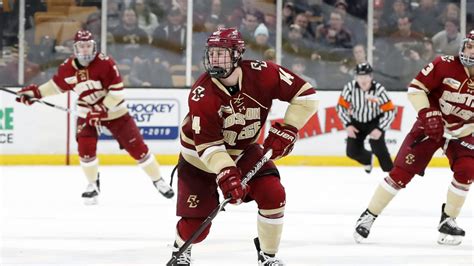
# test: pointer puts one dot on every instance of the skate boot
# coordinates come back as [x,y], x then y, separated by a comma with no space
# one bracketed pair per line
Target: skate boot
[184,258]
[449,232]
[368,168]
[163,188]
[91,194]
[266,259]
[363,225]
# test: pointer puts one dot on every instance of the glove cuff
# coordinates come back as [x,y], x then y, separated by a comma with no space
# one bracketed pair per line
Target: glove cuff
[429,112]
[286,127]
[225,173]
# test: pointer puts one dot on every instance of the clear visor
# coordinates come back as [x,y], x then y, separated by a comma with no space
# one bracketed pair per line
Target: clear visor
[85,51]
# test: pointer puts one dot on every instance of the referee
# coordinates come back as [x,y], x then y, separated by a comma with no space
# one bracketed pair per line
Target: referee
[366,110]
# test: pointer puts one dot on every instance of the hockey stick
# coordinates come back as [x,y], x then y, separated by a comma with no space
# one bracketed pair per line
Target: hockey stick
[220,207]
[43,102]
[463,143]
[67,110]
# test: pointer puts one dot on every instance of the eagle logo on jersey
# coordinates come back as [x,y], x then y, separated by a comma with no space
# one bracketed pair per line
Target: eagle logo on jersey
[198,93]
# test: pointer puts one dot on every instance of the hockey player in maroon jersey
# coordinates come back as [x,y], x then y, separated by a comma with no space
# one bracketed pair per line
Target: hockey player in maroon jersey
[97,82]
[443,95]
[228,105]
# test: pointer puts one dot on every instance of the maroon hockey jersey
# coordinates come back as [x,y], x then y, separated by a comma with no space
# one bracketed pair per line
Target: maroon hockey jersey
[91,83]
[449,88]
[215,116]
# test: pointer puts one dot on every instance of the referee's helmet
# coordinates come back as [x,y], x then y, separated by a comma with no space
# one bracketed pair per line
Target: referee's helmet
[363,69]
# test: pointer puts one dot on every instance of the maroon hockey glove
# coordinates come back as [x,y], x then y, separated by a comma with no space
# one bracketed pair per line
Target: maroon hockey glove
[97,113]
[432,122]
[28,95]
[281,139]
[230,182]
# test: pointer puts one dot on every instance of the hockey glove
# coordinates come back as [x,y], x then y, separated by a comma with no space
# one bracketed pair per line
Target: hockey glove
[230,182]
[28,95]
[281,139]
[96,114]
[432,122]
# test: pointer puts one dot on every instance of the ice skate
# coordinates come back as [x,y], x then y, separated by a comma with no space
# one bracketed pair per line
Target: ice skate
[363,225]
[449,232]
[368,168]
[163,188]
[184,258]
[266,259]
[91,194]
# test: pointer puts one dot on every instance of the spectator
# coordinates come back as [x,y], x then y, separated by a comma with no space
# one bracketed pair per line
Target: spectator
[288,14]
[295,45]
[113,15]
[424,18]
[147,21]
[450,11]
[399,10]
[448,40]
[216,11]
[260,44]
[170,38]
[148,72]
[159,8]
[405,35]
[299,68]
[271,23]
[249,24]
[359,56]
[334,35]
[129,39]
[351,23]
[302,20]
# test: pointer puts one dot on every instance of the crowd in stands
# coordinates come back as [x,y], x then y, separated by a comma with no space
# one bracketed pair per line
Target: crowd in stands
[321,40]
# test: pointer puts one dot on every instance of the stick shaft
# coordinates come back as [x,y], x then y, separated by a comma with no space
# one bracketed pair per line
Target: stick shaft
[221,206]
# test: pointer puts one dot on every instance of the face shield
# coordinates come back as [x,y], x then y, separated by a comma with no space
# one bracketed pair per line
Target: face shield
[85,51]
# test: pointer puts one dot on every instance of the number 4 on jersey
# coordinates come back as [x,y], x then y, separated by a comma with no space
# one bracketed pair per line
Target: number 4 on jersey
[286,77]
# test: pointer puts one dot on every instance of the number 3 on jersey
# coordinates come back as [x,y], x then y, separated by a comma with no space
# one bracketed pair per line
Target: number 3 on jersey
[425,71]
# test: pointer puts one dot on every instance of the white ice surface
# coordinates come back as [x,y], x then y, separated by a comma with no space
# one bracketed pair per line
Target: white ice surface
[44,222]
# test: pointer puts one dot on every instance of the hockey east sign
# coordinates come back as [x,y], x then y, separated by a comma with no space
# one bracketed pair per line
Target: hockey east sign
[6,125]
[157,119]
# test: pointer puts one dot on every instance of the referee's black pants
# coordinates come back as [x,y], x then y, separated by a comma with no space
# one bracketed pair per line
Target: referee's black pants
[355,147]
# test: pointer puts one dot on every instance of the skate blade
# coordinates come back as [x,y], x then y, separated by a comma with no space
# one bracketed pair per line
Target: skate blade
[358,238]
[91,201]
[449,240]
[167,194]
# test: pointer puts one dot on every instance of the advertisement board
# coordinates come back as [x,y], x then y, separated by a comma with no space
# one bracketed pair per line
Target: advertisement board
[40,130]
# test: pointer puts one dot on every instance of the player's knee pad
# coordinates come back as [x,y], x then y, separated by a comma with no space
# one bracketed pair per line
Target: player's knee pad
[399,177]
[463,169]
[137,149]
[268,192]
[187,226]
[87,147]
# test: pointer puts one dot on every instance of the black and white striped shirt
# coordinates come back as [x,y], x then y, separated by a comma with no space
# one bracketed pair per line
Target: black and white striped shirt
[365,106]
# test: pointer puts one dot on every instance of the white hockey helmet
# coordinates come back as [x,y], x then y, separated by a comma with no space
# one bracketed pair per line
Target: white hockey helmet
[467,60]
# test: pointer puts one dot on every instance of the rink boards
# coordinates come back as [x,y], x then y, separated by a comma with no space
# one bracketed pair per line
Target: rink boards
[40,134]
